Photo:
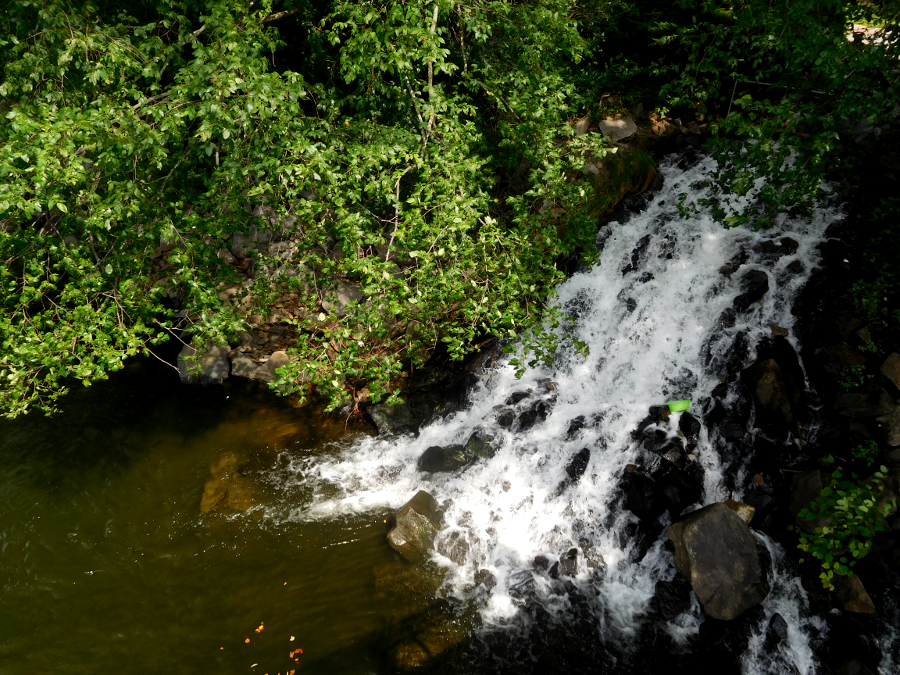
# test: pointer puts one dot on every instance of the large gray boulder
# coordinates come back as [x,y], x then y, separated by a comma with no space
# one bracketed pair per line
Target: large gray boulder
[211,367]
[417,524]
[716,553]
[617,129]
[340,297]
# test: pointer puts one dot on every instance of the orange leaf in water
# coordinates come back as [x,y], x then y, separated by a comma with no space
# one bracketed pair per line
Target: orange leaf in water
[247,641]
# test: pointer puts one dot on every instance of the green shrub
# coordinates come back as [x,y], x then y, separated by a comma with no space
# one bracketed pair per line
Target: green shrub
[854,514]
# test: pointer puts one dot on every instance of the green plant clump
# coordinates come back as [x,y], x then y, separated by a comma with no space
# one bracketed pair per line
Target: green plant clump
[867,452]
[854,513]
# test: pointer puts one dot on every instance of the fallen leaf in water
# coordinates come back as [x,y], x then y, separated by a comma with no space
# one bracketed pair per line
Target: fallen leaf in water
[292,638]
[260,629]
[299,651]
[253,665]
[247,641]
[222,648]
[285,583]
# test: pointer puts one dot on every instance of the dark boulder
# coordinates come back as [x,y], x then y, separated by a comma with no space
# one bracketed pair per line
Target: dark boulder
[578,464]
[568,563]
[516,396]
[436,458]
[482,444]
[874,402]
[776,633]
[690,426]
[642,497]
[677,487]
[416,524]
[575,426]
[485,578]
[505,417]
[716,552]
[395,419]
[852,596]
[754,284]
[541,563]
[776,402]
[672,599]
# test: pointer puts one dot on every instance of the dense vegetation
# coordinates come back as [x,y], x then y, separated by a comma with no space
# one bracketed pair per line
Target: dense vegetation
[425,151]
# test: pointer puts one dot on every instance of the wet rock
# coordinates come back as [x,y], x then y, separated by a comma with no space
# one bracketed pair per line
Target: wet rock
[744,511]
[790,245]
[777,632]
[754,284]
[732,430]
[890,369]
[482,444]
[776,402]
[578,464]
[521,584]
[394,419]
[678,488]
[805,488]
[642,497]
[417,523]
[536,413]
[568,563]
[852,595]
[637,254]
[593,559]
[716,552]
[872,403]
[541,563]
[212,367]
[672,599]
[454,545]
[226,488]
[437,459]
[795,267]
[505,417]
[517,396]
[690,426]
[485,578]
[575,426]
[778,331]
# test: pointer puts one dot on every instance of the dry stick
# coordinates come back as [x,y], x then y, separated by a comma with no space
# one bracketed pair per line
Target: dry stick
[150,351]
[387,256]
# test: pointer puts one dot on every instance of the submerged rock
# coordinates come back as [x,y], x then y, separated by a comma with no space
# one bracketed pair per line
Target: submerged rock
[485,578]
[437,459]
[578,464]
[226,489]
[417,523]
[754,284]
[716,552]
[454,545]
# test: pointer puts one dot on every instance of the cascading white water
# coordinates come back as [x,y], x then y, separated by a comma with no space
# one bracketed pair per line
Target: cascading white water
[650,315]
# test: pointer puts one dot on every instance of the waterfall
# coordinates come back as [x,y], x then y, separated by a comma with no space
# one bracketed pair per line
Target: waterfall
[657,315]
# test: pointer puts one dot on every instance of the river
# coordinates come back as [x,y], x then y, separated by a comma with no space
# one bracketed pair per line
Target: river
[108,561]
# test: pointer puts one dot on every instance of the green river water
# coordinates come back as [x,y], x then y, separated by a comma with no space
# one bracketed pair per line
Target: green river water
[108,564]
